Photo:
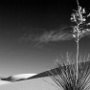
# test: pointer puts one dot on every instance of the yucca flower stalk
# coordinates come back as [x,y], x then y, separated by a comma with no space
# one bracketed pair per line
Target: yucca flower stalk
[74,76]
[80,29]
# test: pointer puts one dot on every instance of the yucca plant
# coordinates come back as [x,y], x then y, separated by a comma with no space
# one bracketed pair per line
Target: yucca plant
[73,76]
[80,29]
[65,76]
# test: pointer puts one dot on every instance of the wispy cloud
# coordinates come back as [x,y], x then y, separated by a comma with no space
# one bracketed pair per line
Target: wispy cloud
[54,37]
[49,36]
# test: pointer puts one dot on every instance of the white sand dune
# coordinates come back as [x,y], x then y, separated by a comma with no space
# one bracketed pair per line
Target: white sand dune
[14,78]
[33,84]
[12,83]
[4,82]
[40,81]
[23,75]
[20,77]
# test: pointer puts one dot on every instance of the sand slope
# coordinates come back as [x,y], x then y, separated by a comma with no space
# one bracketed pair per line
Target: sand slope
[33,84]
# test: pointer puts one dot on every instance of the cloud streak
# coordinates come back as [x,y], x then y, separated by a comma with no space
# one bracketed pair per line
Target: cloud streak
[54,37]
[58,36]
[61,34]
[50,36]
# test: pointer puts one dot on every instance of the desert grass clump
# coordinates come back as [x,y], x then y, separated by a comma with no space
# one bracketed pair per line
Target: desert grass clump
[65,76]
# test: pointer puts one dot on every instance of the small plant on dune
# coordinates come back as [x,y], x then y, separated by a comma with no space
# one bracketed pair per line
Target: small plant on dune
[73,76]
[65,77]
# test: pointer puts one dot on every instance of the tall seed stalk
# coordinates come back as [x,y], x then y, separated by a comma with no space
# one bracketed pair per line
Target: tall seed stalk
[79,18]
[68,77]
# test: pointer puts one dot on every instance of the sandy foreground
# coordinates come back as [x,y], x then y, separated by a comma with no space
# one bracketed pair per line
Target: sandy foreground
[33,84]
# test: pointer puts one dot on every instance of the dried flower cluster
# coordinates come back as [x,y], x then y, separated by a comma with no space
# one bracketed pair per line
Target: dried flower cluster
[79,17]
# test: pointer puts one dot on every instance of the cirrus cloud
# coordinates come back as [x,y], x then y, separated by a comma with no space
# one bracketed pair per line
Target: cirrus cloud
[49,36]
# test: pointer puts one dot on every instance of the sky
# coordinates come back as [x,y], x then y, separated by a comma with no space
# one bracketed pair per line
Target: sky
[26,29]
